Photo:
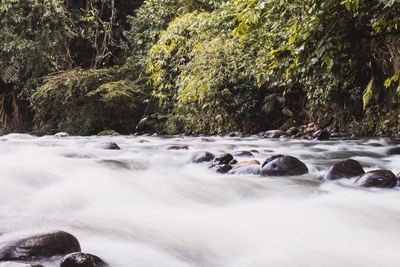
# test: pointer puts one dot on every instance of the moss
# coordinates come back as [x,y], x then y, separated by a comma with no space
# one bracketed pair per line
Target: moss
[107,132]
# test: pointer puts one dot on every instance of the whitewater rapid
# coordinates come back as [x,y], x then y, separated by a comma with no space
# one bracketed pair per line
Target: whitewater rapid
[147,206]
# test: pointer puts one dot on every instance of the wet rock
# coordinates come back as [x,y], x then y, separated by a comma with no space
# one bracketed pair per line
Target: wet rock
[223,168]
[202,157]
[274,133]
[111,146]
[61,134]
[42,245]
[79,259]
[311,124]
[178,147]
[394,151]
[246,167]
[321,135]
[392,141]
[247,154]
[335,135]
[344,169]
[284,166]
[223,159]
[271,159]
[107,132]
[235,134]
[292,131]
[19,264]
[233,162]
[377,178]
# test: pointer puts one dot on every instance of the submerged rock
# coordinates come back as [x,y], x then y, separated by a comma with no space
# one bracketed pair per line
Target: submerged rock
[223,168]
[284,166]
[202,157]
[80,259]
[246,167]
[344,169]
[41,245]
[394,151]
[223,159]
[247,154]
[274,133]
[19,264]
[107,132]
[377,178]
[111,146]
[178,147]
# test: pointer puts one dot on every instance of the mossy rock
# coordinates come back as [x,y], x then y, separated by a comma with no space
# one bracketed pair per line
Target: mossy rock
[288,124]
[107,132]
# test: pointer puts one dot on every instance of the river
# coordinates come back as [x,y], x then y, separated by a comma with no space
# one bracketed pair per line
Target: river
[146,206]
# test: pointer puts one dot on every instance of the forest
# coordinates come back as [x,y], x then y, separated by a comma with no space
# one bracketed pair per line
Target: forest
[199,66]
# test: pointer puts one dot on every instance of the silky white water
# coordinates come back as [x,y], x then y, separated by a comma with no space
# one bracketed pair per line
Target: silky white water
[146,206]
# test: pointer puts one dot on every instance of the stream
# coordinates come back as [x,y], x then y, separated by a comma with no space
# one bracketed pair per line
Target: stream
[147,206]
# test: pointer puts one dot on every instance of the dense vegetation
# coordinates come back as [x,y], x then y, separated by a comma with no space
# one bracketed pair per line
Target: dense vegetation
[209,66]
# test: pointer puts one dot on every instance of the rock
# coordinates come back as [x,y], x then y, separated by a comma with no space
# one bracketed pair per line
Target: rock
[284,166]
[377,178]
[335,134]
[223,159]
[321,135]
[344,169]
[235,134]
[19,264]
[111,146]
[41,245]
[246,167]
[394,151]
[233,162]
[292,131]
[247,154]
[61,134]
[207,140]
[202,157]
[107,132]
[178,147]
[80,259]
[311,124]
[271,159]
[223,168]
[392,141]
[274,133]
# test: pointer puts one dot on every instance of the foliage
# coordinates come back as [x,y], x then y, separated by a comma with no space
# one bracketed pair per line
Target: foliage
[86,102]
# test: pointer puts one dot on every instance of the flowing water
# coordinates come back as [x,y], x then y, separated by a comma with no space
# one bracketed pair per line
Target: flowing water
[146,206]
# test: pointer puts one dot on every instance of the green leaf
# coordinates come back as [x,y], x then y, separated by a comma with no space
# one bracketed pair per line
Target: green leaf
[367,94]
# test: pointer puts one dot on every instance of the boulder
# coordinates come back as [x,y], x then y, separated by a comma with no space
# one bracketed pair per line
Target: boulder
[61,134]
[224,168]
[344,169]
[246,167]
[284,166]
[111,146]
[394,151]
[292,131]
[274,133]
[271,159]
[377,178]
[247,154]
[321,135]
[223,159]
[178,147]
[80,259]
[41,245]
[202,157]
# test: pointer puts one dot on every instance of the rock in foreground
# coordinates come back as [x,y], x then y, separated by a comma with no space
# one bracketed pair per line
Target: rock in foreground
[284,166]
[202,157]
[344,169]
[42,245]
[377,178]
[79,259]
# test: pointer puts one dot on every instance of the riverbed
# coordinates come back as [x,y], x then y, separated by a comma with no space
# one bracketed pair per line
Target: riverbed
[147,206]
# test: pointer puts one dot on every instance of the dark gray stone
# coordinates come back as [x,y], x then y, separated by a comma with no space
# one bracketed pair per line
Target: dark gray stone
[111,146]
[223,159]
[80,259]
[178,147]
[377,178]
[42,245]
[284,166]
[202,157]
[394,151]
[344,169]
[321,135]
[274,133]
[247,154]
